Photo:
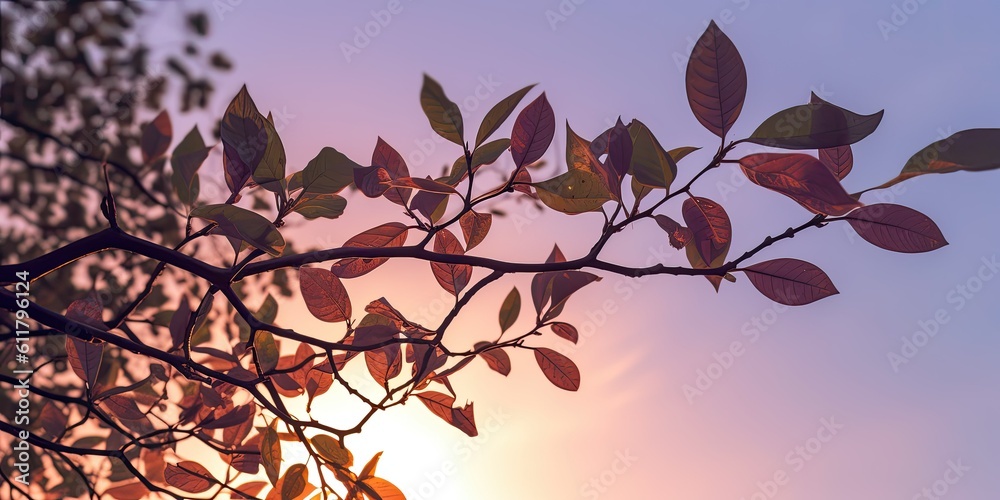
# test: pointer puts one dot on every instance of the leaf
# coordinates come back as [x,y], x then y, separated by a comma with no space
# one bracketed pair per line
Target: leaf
[53,420]
[559,369]
[497,359]
[620,148]
[817,125]
[651,165]
[452,277]
[369,469]
[972,150]
[679,235]
[384,363]
[444,115]
[383,489]
[243,225]
[564,285]
[85,358]
[791,282]
[428,185]
[331,449]
[385,157]
[510,309]
[295,481]
[896,228]
[134,490]
[189,476]
[499,113]
[475,226]
[580,157]
[698,263]
[372,181]
[185,161]
[88,311]
[710,227]
[801,178]
[533,131]
[324,294]
[390,235]
[267,350]
[328,206]
[328,173]
[442,406]
[251,145]
[270,452]
[156,137]
[574,192]
[123,407]
[716,81]
[566,331]
[840,160]
[430,205]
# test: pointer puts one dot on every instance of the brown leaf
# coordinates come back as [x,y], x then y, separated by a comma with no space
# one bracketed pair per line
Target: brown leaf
[324,294]
[710,227]
[840,160]
[189,476]
[802,178]
[388,235]
[716,81]
[559,369]
[442,406]
[452,277]
[475,226]
[497,359]
[566,331]
[791,282]
[896,228]
[156,136]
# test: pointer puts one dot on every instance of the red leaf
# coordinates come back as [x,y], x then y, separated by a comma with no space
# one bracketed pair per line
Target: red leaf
[802,178]
[559,369]
[372,181]
[123,407]
[129,491]
[533,131]
[324,294]
[384,363]
[430,205]
[620,148]
[522,181]
[710,226]
[716,81]
[156,136]
[429,185]
[85,358]
[896,228]
[475,226]
[189,476]
[88,311]
[452,277]
[388,235]
[566,331]
[386,157]
[441,405]
[840,160]
[497,359]
[382,307]
[791,282]
[678,234]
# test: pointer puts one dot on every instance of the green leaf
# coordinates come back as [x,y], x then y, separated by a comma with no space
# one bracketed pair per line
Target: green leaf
[573,192]
[329,206]
[189,155]
[252,140]
[971,150]
[187,191]
[328,173]
[817,125]
[331,449]
[510,309]
[499,113]
[444,115]
[267,350]
[651,165]
[483,155]
[243,225]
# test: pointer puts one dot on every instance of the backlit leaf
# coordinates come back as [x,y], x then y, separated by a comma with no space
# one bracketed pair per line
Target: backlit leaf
[328,173]
[566,331]
[650,164]
[559,369]
[620,148]
[896,228]
[710,227]
[840,160]
[84,358]
[392,234]
[324,294]
[270,452]
[475,226]
[382,489]
[679,235]
[452,277]
[791,282]
[580,157]
[327,206]
[510,309]
[444,115]
[817,125]
[574,192]
[330,448]
[716,81]
[295,481]
[533,131]
[189,476]
[384,156]
[802,178]
[498,114]
[156,136]
[267,350]
[244,225]
[497,359]
[442,406]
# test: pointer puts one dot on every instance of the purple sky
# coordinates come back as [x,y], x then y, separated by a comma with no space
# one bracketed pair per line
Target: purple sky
[631,431]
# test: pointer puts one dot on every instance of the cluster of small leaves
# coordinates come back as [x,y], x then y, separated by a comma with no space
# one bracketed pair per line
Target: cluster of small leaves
[235,368]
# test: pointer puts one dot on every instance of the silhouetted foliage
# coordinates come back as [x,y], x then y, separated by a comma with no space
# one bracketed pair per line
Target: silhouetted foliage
[196,364]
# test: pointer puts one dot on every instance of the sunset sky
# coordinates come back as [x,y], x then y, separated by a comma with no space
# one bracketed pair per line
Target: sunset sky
[812,399]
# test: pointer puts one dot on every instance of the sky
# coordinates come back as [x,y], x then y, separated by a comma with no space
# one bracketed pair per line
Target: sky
[687,393]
